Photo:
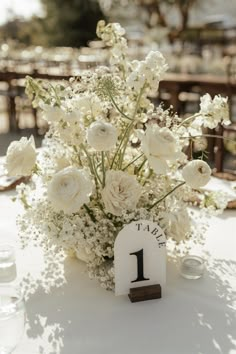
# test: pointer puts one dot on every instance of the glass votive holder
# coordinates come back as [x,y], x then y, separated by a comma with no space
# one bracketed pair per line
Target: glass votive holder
[192,267]
[7,263]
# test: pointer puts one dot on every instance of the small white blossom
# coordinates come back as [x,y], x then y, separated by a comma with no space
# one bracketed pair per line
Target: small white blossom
[121,192]
[102,136]
[88,105]
[110,33]
[196,173]
[69,189]
[213,111]
[149,72]
[70,133]
[21,157]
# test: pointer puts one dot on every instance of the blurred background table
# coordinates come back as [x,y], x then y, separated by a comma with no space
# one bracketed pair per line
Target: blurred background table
[193,316]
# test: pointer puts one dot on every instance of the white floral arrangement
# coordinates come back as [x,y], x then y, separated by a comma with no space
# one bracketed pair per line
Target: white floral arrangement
[110,157]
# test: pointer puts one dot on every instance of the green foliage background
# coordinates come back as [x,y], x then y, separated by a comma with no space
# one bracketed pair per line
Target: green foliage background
[66,23]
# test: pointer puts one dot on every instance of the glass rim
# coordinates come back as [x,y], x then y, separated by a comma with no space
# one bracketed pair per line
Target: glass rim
[9,249]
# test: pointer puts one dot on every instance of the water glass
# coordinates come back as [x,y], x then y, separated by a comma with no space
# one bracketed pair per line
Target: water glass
[12,318]
[7,263]
[192,267]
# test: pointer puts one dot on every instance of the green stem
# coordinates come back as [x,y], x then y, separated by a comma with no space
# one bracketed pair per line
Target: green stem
[191,148]
[132,162]
[95,171]
[88,157]
[188,119]
[145,180]
[131,125]
[103,170]
[56,95]
[108,159]
[90,213]
[166,195]
[125,140]
[117,107]
[121,142]
[208,136]
[91,164]
[141,166]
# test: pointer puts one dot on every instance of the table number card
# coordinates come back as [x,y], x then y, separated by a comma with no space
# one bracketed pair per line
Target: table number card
[140,256]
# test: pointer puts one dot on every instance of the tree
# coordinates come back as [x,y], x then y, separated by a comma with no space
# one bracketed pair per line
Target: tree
[71,22]
[161,7]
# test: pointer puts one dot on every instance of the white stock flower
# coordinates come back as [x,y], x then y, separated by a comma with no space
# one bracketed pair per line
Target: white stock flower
[213,111]
[196,173]
[156,62]
[149,71]
[69,189]
[52,114]
[160,145]
[121,192]
[21,157]
[57,114]
[110,33]
[102,136]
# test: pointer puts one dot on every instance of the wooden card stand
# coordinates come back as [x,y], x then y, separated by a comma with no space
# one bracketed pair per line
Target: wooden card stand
[144,293]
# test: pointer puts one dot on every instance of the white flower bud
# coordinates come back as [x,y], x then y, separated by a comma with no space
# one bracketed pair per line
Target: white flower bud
[196,173]
[102,136]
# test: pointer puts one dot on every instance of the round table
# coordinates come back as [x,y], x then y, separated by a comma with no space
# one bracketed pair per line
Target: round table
[192,317]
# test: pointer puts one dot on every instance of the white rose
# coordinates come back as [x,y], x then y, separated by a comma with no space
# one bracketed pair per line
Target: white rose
[121,192]
[21,157]
[196,173]
[69,189]
[102,136]
[159,145]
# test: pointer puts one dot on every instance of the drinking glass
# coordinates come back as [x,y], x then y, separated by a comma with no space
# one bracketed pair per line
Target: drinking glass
[192,267]
[12,318]
[7,263]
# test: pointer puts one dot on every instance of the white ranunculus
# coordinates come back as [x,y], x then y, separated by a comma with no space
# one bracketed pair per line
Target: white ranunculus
[21,157]
[196,173]
[69,189]
[160,145]
[102,136]
[121,192]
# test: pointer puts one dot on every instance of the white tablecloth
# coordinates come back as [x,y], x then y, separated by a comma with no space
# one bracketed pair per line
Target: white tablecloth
[193,317]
